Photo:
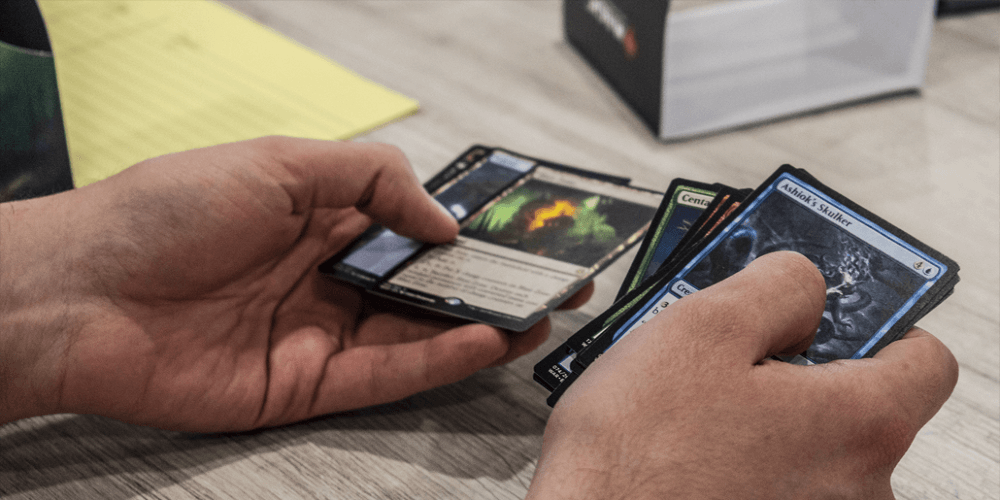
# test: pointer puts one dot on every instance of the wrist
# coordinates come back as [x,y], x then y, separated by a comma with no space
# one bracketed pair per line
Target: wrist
[35,314]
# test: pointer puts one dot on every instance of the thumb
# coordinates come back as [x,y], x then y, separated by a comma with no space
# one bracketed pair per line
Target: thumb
[773,306]
[374,178]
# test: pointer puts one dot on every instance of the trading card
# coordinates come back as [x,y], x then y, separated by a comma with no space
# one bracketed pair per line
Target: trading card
[590,174]
[553,369]
[879,279]
[464,186]
[531,234]
[718,215]
[726,202]
[928,304]
[931,302]
[683,202]
[558,391]
[531,248]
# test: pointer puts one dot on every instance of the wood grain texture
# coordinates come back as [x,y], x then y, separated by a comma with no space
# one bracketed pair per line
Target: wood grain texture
[500,73]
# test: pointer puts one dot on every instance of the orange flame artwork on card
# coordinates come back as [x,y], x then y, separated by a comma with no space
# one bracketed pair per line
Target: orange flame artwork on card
[558,208]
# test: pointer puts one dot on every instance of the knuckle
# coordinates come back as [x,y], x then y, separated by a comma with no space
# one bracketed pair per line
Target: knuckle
[803,271]
[888,434]
[391,150]
[949,365]
[875,427]
[935,364]
[388,155]
[802,275]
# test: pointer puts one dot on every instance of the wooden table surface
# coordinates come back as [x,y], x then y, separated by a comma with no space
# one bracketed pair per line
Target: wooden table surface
[500,73]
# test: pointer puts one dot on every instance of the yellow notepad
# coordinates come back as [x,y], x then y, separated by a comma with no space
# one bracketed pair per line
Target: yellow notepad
[139,79]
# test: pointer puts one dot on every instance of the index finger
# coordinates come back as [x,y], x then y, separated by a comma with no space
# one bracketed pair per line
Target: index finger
[375,178]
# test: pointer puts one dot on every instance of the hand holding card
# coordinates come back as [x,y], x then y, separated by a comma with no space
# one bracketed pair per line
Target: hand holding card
[679,407]
[532,234]
[183,293]
[879,279]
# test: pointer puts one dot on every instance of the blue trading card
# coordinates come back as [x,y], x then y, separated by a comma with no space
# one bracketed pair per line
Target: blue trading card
[873,277]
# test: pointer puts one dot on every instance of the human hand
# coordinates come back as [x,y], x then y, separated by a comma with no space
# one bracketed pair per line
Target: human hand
[690,405]
[183,293]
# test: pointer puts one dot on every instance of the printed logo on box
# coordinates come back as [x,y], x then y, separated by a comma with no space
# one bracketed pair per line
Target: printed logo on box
[614,20]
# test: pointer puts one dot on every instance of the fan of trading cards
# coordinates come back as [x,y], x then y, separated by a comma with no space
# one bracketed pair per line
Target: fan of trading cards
[534,232]
[879,280]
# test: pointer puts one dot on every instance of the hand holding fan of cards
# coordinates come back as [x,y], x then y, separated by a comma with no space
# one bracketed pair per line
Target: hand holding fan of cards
[879,280]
